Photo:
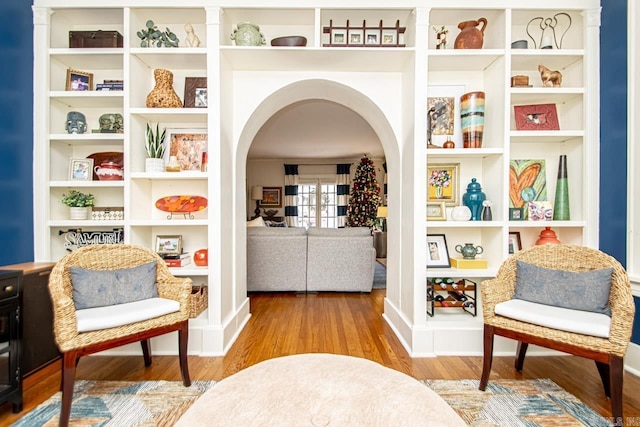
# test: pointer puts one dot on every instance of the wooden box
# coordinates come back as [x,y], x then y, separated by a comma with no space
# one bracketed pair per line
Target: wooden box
[92,39]
[468,263]
[517,81]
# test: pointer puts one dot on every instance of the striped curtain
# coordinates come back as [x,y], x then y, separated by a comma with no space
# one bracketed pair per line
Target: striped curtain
[291,195]
[384,198]
[342,192]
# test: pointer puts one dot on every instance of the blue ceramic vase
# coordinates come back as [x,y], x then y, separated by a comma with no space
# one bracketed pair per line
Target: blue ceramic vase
[473,199]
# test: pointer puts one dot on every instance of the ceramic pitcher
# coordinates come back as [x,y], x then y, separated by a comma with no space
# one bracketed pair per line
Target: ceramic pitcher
[470,36]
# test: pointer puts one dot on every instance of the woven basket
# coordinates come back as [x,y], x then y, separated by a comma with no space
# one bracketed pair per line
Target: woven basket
[198,300]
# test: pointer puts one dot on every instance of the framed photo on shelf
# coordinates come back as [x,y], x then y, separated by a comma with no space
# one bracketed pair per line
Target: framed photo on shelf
[79,80]
[195,92]
[515,244]
[443,107]
[339,36]
[443,183]
[516,214]
[187,145]
[169,244]
[437,253]
[356,36]
[271,197]
[536,117]
[389,37]
[372,37]
[436,211]
[81,170]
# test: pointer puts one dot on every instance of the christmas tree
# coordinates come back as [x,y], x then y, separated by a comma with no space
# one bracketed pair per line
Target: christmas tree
[364,198]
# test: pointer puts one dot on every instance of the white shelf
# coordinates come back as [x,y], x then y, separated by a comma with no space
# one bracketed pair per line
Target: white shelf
[93,59]
[180,58]
[184,115]
[542,224]
[518,136]
[176,221]
[529,59]
[446,153]
[544,95]
[90,98]
[463,59]
[169,175]
[465,224]
[459,272]
[89,184]
[85,223]
[189,270]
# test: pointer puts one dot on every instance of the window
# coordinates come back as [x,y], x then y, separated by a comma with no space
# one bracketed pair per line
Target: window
[317,204]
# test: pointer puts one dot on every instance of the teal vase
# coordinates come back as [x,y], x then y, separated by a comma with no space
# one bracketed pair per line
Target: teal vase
[561,203]
[473,199]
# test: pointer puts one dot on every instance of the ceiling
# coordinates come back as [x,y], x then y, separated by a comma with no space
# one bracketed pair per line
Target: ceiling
[315,129]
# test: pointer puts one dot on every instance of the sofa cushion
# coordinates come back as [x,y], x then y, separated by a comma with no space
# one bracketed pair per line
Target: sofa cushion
[276,231]
[256,222]
[563,319]
[340,232]
[97,318]
[98,288]
[586,290]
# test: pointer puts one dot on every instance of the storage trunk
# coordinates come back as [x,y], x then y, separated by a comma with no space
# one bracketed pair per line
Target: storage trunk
[99,38]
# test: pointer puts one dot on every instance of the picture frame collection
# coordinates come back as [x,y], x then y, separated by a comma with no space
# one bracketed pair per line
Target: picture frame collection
[364,35]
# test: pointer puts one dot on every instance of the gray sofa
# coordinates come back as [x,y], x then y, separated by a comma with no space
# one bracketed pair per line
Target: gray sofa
[320,259]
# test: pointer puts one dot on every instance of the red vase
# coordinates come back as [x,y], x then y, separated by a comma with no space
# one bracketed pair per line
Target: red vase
[201,257]
[548,237]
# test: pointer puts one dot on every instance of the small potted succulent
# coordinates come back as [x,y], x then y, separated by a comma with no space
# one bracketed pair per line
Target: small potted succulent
[154,144]
[79,203]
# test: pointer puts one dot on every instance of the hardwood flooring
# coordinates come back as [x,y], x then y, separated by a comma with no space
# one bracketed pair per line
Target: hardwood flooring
[339,323]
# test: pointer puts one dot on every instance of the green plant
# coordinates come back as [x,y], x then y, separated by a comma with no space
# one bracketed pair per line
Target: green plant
[150,36]
[155,141]
[76,199]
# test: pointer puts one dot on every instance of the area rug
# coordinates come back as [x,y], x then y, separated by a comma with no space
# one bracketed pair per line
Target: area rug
[120,403]
[160,403]
[539,402]
[379,277]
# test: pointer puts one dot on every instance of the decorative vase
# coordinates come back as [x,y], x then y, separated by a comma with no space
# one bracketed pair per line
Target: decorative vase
[472,119]
[153,165]
[548,237]
[78,213]
[201,257]
[487,214]
[461,213]
[561,203]
[109,171]
[469,251]
[162,95]
[247,34]
[473,199]
[470,36]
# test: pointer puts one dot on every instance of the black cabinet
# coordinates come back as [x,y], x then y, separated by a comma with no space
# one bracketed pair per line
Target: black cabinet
[10,339]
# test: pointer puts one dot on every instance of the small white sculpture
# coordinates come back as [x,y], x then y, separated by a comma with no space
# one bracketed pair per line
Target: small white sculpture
[191,39]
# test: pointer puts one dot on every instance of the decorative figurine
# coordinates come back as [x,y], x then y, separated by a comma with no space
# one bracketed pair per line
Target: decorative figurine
[191,39]
[486,210]
[550,78]
[544,24]
[76,122]
[163,95]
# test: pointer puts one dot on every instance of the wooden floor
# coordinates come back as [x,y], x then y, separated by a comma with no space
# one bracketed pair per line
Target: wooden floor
[350,324]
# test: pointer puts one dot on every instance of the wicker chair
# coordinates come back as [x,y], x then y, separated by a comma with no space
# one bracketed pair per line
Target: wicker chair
[607,353]
[74,345]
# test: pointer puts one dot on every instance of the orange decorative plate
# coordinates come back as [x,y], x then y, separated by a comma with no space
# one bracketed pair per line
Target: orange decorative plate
[181,204]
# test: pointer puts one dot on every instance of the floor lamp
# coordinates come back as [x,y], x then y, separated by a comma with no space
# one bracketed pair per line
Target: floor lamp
[256,194]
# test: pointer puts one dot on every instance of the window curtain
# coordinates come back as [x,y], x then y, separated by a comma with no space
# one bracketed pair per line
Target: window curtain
[342,192]
[291,195]
[384,198]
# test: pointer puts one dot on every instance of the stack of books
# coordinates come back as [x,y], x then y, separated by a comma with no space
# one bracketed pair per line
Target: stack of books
[177,260]
[110,85]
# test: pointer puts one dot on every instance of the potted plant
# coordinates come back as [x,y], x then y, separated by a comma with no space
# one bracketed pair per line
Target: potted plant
[155,148]
[79,203]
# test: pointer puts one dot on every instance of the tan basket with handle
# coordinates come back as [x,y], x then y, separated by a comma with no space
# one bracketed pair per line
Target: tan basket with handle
[198,300]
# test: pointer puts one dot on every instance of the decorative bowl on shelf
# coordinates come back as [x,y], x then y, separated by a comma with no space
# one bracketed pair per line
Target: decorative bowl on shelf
[289,41]
[181,204]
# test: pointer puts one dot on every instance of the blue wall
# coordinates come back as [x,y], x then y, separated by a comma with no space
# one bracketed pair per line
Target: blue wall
[16,132]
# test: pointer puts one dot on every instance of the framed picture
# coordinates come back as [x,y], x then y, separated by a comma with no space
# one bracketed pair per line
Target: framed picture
[339,36]
[195,92]
[389,37]
[271,197]
[443,109]
[527,182]
[81,170]
[443,183]
[436,211]
[187,145]
[356,36]
[437,253]
[372,37]
[536,117]
[79,80]
[169,245]
[516,214]
[515,244]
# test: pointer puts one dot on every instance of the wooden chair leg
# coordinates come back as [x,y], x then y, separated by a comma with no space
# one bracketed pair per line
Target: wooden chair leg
[603,370]
[616,373]
[70,360]
[146,352]
[522,351]
[487,357]
[183,341]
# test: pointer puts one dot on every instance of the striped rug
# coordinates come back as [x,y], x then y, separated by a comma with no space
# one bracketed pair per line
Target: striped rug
[506,403]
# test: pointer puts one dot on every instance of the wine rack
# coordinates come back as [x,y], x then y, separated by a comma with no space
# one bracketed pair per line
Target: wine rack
[446,293]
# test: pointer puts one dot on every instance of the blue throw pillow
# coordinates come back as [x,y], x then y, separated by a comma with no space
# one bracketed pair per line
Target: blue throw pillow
[586,290]
[99,288]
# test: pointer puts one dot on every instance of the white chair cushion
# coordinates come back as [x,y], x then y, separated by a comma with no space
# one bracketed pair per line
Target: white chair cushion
[564,319]
[97,318]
